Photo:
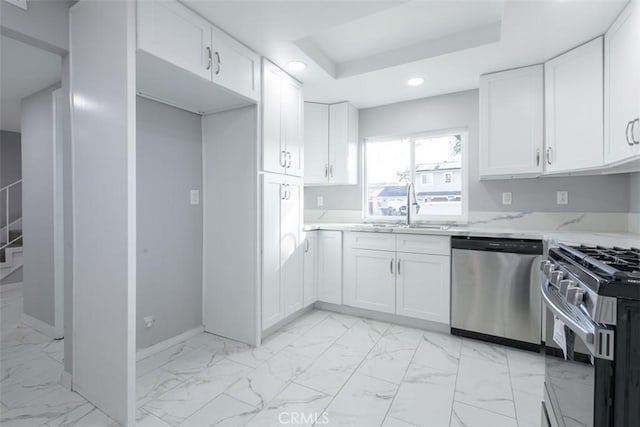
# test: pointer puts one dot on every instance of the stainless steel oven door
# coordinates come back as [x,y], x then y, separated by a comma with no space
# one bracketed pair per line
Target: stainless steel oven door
[569,384]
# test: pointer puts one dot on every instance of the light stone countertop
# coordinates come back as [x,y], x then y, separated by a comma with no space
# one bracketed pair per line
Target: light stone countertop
[571,237]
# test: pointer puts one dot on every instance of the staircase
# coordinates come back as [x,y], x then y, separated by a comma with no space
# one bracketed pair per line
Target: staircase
[10,235]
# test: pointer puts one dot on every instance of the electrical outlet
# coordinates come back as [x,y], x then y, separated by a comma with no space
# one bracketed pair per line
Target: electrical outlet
[320,201]
[194,196]
[149,321]
[506,198]
[562,198]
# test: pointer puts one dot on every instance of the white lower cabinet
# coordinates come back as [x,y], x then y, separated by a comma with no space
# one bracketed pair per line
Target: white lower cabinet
[422,286]
[282,280]
[310,267]
[329,267]
[413,284]
[369,279]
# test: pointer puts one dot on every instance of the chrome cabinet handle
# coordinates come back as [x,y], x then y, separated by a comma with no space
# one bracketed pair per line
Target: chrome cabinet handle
[289,159]
[549,155]
[331,171]
[633,133]
[306,249]
[391,266]
[283,192]
[210,59]
[326,171]
[288,192]
[538,157]
[398,266]
[626,133]
[219,63]
[283,159]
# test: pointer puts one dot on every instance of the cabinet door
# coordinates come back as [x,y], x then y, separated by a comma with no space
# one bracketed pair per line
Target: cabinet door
[316,143]
[423,287]
[370,279]
[622,85]
[293,107]
[235,67]
[172,32]
[272,199]
[573,109]
[309,266]
[272,129]
[343,144]
[330,266]
[511,123]
[291,249]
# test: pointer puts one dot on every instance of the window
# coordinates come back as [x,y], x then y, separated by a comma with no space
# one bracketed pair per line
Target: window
[426,178]
[435,162]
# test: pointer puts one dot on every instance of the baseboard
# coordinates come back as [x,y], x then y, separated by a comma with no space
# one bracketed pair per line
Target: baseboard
[163,345]
[40,326]
[66,380]
[385,317]
[290,318]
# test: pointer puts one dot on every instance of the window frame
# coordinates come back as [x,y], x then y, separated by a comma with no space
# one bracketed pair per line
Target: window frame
[418,219]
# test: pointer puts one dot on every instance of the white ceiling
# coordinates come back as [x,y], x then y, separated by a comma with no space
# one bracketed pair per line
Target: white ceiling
[24,70]
[364,51]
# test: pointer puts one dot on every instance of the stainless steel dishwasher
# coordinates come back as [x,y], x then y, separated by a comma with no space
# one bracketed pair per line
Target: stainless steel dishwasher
[495,290]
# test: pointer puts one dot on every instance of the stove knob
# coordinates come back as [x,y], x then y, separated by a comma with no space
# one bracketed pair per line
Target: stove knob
[543,264]
[548,268]
[556,277]
[575,295]
[565,285]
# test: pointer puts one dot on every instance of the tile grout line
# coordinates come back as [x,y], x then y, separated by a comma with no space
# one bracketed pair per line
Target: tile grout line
[413,356]
[513,396]
[356,368]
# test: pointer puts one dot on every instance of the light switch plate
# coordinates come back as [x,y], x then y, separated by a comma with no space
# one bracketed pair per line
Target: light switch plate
[562,198]
[195,197]
[320,201]
[506,198]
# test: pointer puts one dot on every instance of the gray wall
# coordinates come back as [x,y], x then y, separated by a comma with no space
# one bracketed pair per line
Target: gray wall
[44,24]
[460,110]
[169,259]
[634,195]
[10,171]
[38,206]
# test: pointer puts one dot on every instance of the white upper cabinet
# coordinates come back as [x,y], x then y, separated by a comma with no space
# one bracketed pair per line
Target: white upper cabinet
[282,122]
[331,143]
[511,123]
[622,87]
[316,143]
[573,109]
[174,33]
[234,66]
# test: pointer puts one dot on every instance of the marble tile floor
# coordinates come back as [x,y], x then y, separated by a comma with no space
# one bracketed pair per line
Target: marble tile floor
[323,369]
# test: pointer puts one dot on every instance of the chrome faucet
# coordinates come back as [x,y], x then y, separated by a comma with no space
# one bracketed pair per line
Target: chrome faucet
[410,205]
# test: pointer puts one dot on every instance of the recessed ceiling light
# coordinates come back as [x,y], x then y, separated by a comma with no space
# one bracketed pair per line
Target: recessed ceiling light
[415,81]
[296,65]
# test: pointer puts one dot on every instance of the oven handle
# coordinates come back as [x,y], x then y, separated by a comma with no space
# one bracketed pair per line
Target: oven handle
[554,302]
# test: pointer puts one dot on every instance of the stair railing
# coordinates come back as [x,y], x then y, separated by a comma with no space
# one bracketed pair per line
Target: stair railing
[7,224]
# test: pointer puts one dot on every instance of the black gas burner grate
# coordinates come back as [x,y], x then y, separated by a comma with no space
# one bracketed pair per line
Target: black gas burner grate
[620,263]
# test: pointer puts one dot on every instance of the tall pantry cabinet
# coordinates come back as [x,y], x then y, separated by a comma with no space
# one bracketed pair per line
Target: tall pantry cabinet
[282,195]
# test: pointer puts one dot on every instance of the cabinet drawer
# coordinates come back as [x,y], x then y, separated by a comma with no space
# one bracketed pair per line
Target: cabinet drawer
[375,241]
[434,245]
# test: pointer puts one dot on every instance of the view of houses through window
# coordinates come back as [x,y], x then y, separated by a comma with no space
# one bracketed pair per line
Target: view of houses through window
[433,163]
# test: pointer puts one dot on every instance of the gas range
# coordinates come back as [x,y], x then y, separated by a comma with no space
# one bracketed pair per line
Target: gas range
[592,296]
[593,277]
